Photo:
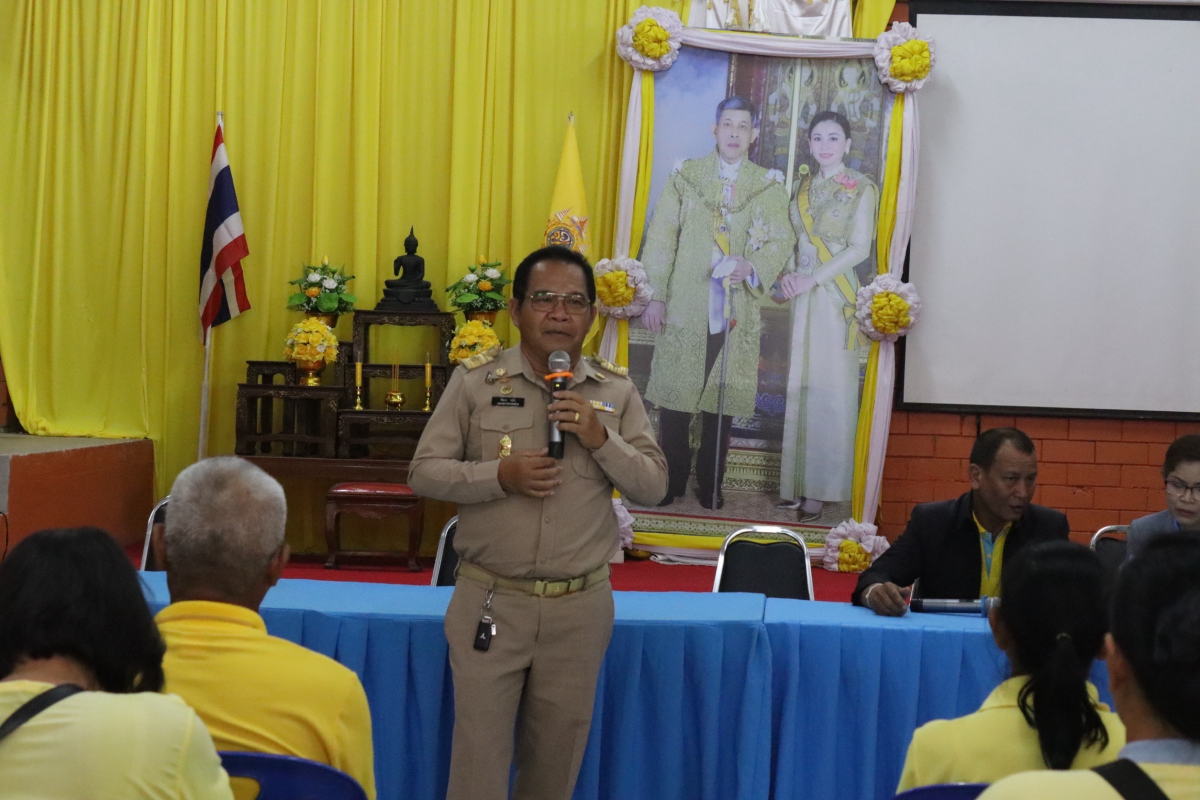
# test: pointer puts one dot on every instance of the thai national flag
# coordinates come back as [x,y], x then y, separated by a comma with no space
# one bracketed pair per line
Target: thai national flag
[222,287]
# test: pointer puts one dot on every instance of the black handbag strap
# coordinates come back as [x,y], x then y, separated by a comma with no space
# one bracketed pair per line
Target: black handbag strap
[1130,780]
[36,705]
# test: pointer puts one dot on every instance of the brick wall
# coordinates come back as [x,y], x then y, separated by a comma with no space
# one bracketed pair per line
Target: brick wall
[1098,471]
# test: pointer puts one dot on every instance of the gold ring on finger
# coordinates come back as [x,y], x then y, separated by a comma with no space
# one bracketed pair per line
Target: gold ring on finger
[577,416]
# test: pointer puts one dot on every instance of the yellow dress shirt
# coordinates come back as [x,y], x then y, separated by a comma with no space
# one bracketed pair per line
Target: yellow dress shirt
[1177,781]
[263,694]
[994,742]
[991,558]
[103,746]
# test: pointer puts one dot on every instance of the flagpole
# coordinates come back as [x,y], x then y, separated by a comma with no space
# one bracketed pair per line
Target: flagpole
[202,446]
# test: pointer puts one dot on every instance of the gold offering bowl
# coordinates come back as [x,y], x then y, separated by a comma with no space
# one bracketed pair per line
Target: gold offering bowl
[394,400]
[312,372]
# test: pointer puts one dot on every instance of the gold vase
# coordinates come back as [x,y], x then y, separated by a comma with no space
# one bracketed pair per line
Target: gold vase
[328,319]
[311,372]
[483,316]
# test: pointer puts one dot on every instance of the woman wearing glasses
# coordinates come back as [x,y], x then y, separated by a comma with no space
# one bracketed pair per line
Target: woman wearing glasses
[1181,474]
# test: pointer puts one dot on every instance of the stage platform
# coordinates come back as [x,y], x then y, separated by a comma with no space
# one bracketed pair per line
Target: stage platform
[66,481]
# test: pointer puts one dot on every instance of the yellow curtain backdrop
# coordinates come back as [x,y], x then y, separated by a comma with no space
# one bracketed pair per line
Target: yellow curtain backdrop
[871,17]
[346,122]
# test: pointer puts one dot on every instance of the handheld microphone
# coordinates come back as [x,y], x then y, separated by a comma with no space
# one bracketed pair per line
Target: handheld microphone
[979,607]
[560,371]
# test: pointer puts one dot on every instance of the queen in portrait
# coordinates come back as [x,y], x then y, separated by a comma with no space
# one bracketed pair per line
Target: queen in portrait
[833,211]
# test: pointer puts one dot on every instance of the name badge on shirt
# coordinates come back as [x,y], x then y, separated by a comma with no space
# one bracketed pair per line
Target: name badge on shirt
[509,402]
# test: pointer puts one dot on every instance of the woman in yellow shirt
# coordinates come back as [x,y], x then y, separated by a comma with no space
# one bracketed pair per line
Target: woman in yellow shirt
[72,614]
[1051,624]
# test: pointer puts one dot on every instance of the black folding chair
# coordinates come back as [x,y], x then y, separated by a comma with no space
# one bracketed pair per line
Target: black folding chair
[777,569]
[1109,545]
[158,516]
[447,559]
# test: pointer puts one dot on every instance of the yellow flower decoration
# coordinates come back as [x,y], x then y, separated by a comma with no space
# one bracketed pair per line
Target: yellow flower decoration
[889,313]
[313,291]
[304,339]
[910,60]
[650,38]
[485,286]
[613,288]
[852,557]
[474,337]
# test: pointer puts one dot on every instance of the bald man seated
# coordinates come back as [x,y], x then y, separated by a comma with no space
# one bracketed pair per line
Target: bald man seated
[223,548]
[956,548]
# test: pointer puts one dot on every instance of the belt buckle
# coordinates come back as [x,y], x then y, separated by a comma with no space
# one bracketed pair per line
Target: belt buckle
[551,588]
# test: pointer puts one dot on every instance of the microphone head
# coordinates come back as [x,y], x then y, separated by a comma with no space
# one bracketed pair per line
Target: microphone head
[559,361]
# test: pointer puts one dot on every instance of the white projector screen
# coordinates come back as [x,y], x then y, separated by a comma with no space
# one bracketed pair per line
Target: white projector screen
[1056,238]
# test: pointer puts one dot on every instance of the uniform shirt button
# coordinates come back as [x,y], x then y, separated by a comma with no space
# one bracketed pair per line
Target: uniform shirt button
[541,561]
[547,520]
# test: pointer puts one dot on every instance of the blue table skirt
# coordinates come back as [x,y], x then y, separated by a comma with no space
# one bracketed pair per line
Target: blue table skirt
[849,688]
[701,696]
[682,707]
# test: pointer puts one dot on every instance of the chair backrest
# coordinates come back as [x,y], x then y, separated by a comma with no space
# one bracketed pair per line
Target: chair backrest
[158,516]
[291,778]
[1109,545]
[778,569]
[447,560]
[944,791]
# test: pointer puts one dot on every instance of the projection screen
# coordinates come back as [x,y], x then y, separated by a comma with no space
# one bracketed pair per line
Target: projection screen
[1056,243]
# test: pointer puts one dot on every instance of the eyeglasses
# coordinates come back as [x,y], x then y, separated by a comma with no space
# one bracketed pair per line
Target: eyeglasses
[575,304]
[1178,489]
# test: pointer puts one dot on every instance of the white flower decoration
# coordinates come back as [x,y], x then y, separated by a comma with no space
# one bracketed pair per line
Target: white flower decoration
[773,175]
[635,278]
[320,348]
[906,80]
[906,302]
[757,235]
[329,283]
[624,523]
[492,273]
[470,277]
[314,277]
[642,44]
[864,533]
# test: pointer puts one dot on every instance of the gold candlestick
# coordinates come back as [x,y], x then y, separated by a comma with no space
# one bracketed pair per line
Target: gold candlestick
[428,397]
[358,406]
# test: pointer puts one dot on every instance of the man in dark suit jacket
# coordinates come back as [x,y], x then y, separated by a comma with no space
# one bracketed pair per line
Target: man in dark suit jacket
[957,547]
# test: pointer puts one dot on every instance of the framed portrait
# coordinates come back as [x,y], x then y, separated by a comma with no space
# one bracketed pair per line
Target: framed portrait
[761,183]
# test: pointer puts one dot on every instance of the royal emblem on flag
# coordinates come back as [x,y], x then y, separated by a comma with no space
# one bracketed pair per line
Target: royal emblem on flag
[567,230]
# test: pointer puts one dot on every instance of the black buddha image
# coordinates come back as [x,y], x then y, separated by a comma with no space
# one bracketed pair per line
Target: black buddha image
[409,291]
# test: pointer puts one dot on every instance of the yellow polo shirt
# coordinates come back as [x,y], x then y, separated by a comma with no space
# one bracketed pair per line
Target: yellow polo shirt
[1177,781]
[103,746]
[991,551]
[263,694]
[994,742]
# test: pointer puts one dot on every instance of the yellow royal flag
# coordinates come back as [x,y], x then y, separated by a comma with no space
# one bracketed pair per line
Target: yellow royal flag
[567,225]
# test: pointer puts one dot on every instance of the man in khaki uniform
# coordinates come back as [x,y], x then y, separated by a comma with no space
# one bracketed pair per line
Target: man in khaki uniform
[532,611]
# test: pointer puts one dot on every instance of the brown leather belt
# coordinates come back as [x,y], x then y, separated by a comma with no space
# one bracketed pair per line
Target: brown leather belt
[539,588]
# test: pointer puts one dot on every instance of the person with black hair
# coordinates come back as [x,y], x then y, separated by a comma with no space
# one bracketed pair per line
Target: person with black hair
[78,641]
[1051,624]
[718,237]
[956,548]
[532,610]
[1181,487]
[1153,655]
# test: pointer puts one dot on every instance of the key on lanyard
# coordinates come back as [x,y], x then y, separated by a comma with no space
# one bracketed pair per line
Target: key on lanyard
[487,627]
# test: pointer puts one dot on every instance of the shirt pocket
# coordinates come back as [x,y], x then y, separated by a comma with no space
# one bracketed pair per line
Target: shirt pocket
[581,458]
[497,422]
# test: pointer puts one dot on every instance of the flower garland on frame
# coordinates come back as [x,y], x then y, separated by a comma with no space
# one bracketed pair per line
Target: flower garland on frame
[903,58]
[622,289]
[651,39]
[887,308]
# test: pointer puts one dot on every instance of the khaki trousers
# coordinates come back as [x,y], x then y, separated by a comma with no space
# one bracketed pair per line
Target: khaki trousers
[539,676]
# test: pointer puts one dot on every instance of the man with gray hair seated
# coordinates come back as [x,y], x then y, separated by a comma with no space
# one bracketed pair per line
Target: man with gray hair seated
[223,548]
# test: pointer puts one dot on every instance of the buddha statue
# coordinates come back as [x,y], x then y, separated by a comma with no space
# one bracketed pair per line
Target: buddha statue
[409,291]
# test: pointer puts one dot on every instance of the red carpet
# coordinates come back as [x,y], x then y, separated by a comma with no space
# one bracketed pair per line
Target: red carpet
[632,576]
